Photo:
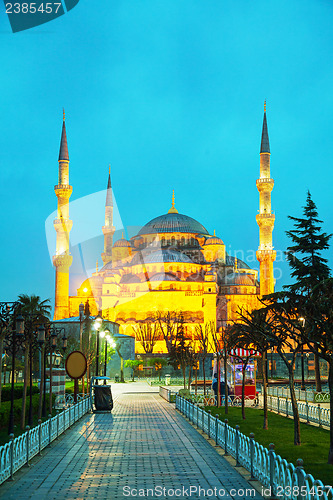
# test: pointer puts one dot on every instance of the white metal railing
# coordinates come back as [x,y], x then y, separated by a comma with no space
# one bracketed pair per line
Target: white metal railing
[283,478]
[309,412]
[167,394]
[17,452]
[308,395]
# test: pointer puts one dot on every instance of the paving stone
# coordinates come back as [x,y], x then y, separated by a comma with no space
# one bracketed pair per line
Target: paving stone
[144,444]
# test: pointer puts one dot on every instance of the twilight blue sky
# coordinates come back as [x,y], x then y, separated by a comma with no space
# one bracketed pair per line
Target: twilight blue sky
[171,94]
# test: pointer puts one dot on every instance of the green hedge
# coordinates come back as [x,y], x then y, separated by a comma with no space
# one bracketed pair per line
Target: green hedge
[18,391]
[5,410]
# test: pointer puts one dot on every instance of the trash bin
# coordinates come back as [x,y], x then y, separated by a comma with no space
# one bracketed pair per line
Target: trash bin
[103,398]
[116,378]
[167,379]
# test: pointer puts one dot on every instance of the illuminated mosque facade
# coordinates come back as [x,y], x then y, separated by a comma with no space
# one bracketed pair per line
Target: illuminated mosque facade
[172,264]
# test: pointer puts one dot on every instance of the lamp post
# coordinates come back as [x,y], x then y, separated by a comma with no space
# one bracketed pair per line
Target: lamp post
[14,340]
[81,312]
[50,347]
[97,325]
[302,320]
[108,340]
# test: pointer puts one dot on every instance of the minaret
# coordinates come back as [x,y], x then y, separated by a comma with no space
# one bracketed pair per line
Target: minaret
[62,260]
[265,219]
[108,228]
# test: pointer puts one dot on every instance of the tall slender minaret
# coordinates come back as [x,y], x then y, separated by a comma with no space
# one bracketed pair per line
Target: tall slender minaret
[62,260]
[108,228]
[265,219]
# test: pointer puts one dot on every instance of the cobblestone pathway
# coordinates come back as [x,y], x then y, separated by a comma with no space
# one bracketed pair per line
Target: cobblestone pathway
[144,444]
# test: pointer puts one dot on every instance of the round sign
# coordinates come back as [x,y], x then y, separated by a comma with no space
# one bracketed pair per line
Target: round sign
[76,364]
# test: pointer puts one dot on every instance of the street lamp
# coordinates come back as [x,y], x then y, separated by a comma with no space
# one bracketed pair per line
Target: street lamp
[97,325]
[302,320]
[13,342]
[108,340]
[50,347]
[81,312]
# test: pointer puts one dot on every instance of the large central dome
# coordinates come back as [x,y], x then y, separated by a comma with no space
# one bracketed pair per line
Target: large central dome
[173,223]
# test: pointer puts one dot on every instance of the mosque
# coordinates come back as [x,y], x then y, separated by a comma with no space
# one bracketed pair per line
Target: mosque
[172,264]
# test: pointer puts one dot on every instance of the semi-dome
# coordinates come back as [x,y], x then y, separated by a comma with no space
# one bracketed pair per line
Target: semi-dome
[173,223]
[122,243]
[159,256]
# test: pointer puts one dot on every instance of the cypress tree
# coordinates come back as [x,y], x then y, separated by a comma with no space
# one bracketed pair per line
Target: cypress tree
[304,257]
[308,266]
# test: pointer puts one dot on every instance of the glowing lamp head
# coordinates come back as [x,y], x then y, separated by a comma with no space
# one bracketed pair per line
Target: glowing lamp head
[85,289]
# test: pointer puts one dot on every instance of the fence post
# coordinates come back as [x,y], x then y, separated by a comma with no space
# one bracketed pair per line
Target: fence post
[252,455]
[300,478]
[278,404]
[307,412]
[50,423]
[74,412]
[217,419]
[197,414]
[209,415]
[39,436]
[226,436]
[287,407]
[271,470]
[237,446]
[57,424]
[319,415]
[11,438]
[28,444]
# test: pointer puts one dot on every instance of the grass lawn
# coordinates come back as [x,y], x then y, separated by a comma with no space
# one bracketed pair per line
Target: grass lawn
[313,450]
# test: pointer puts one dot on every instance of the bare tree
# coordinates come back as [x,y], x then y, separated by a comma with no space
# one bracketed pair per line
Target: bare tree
[168,324]
[202,336]
[220,345]
[254,331]
[147,334]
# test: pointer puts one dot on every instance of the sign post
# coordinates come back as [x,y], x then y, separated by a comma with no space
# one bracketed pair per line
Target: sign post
[76,367]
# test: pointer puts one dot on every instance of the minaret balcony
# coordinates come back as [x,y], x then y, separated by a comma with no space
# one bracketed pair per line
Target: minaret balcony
[64,190]
[265,184]
[265,219]
[266,255]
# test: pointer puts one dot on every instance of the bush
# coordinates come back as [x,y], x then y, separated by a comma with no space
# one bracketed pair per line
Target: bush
[18,391]
[5,410]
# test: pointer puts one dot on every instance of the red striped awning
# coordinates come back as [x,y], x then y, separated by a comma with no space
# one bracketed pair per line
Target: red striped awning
[243,353]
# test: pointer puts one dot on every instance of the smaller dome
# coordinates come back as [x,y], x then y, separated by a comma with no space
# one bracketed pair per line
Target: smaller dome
[122,243]
[213,240]
[240,279]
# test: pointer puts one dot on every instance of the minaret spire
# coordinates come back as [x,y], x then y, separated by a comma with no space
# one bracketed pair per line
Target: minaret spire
[264,147]
[265,219]
[62,260]
[63,151]
[108,228]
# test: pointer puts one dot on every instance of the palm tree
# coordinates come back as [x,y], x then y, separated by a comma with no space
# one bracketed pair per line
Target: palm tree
[35,312]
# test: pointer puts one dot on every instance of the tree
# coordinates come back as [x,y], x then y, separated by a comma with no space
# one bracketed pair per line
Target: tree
[286,338]
[179,354]
[304,256]
[220,345]
[236,341]
[158,363]
[147,334]
[318,331]
[134,364]
[203,336]
[168,324]
[35,312]
[255,333]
